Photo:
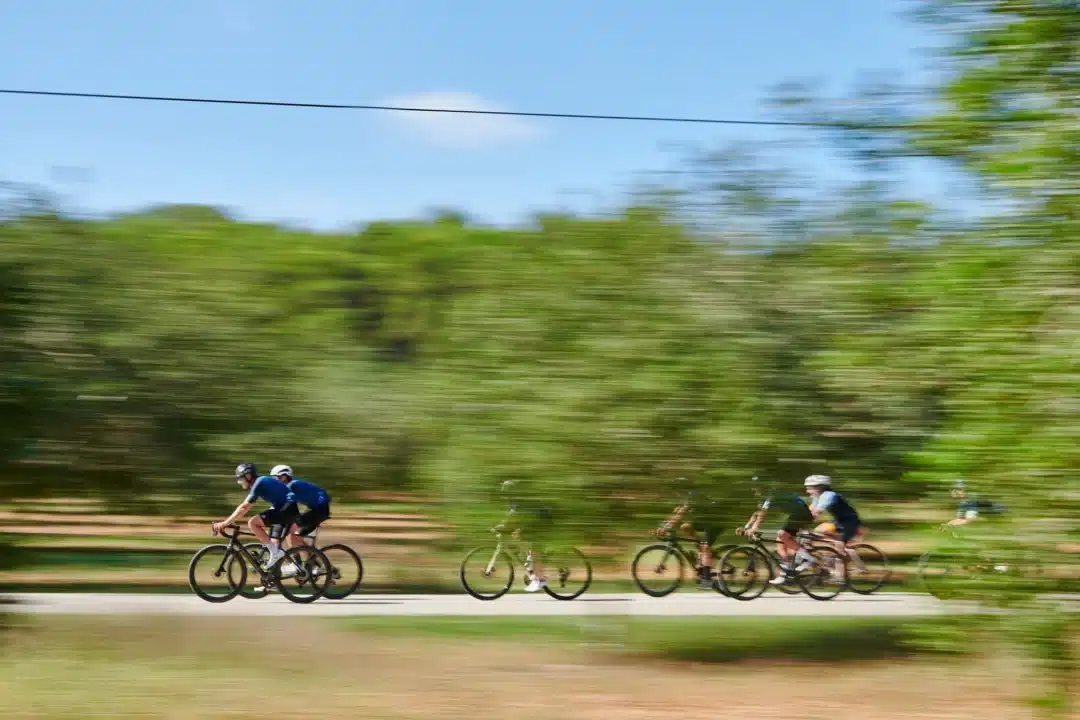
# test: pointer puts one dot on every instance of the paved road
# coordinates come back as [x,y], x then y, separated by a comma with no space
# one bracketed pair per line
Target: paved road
[514,604]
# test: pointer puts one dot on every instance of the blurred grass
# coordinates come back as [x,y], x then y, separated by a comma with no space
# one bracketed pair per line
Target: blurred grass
[194,668]
[705,639]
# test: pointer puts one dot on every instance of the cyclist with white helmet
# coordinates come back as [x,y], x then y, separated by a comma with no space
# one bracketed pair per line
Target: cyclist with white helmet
[280,515]
[311,496]
[845,525]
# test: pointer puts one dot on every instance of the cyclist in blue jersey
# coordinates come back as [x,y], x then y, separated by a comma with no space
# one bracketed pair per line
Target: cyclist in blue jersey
[311,496]
[281,514]
[846,525]
[971,507]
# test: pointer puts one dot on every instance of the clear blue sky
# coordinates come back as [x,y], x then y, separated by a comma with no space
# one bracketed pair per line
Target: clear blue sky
[682,57]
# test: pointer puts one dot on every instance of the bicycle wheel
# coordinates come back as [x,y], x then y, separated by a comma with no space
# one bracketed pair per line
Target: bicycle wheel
[346,572]
[569,572]
[659,562]
[750,572]
[303,574]
[721,569]
[826,577]
[789,586]
[943,572]
[257,590]
[211,573]
[482,564]
[868,569]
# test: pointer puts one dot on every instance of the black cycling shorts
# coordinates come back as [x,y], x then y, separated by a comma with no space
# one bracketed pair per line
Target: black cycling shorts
[277,519]
[313,518]
[847,530]
[795,524]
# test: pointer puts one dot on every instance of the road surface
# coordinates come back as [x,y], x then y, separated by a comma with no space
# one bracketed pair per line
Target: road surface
[514,604]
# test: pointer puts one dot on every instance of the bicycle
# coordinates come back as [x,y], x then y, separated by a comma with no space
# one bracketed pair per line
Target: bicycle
[827,569]
[507,555]
[343,559]
[234,558]
[672,551]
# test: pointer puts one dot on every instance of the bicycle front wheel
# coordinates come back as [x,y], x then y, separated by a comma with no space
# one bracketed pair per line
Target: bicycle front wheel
[217,573]
[346,572]
[747,573]
[868,569]
[487,573]
[826,577]
[657,570]
[303,574]
[569,573]
[257,590]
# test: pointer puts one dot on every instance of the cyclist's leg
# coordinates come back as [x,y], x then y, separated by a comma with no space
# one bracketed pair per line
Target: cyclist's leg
[257,525]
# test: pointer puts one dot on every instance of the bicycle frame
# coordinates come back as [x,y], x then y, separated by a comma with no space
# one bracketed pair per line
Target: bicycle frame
[241,549]
[511,551]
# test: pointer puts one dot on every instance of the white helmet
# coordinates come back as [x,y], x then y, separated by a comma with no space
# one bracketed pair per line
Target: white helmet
[281,470]
[817,481]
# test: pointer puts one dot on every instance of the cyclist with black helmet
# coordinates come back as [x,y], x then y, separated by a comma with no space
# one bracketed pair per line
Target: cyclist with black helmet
[798,518]
[705,522]
[281,514]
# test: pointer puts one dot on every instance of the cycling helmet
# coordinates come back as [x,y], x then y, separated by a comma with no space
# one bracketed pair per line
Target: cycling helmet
[818,481]
[959,485]
[281,470]
[244,468]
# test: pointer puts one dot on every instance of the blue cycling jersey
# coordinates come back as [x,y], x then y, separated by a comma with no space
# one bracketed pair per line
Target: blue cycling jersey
[838,506]
[272,491]
[308,493]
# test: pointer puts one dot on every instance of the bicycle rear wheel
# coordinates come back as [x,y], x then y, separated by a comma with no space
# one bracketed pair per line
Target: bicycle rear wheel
[660,562]
[346,572]
[487,564]
[217,573]
[826,577]
[750,572]
[569,572]
[868,569]
[303,574]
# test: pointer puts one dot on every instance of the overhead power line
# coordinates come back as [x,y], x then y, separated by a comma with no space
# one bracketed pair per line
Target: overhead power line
[449,111]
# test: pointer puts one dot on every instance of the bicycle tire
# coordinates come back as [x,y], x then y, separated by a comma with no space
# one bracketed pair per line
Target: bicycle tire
[886,573]
[838,560]
[789,586]
[579,593]
[228,555]
[669,551]
[941,590]
[718,557]
[500,556]
[261,553]
[755,559]
[281,582]
[332,594]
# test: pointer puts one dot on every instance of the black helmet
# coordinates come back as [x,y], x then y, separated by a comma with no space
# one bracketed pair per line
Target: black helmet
[244,468]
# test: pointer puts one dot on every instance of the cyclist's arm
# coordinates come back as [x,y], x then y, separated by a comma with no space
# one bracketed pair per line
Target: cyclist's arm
[240,511]
[674,518]
[756,520]
[822,504]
